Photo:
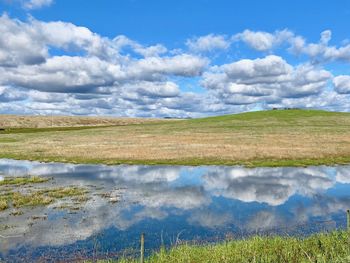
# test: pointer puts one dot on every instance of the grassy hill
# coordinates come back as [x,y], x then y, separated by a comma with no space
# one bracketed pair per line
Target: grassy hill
[264,138]
[25,121]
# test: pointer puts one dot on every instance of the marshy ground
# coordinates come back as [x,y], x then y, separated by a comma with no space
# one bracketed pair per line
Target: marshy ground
[19,192]
[69,212]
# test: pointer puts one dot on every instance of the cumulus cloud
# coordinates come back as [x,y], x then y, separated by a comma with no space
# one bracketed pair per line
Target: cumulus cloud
[60,68]
[342,84]
[19,44]
[267,80]
[322,51]
[327,100]
[64,74]
[208,43]
[180,65]
[28,61]
[263,41]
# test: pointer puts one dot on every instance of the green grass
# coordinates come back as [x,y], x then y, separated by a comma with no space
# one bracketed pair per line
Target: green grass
[325,247]
[34,199]
[302,162]
[23,180]
[3,204]
[63,192]
[7,140]
[39,197]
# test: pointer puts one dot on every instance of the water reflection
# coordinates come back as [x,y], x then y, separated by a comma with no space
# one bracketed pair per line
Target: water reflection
[273,186]
[199,202]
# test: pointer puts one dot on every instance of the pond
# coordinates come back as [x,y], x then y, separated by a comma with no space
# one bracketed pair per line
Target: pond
[170,204]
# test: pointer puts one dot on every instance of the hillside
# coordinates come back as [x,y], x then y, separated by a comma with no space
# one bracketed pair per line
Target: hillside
[265,138]
[16,121]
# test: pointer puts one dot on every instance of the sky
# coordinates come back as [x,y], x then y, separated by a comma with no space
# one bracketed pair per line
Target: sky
[156,58]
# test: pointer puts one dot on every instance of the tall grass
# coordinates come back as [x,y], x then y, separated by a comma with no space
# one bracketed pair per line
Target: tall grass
[324,247]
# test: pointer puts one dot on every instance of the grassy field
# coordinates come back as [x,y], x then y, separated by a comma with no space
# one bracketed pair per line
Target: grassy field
[16,121]
[265,138]
[331,247]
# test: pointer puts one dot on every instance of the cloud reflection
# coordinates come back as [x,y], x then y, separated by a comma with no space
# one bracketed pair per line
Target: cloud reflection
[214,197]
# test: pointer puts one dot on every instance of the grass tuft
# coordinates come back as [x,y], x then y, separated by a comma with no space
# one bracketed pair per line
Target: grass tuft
[23,180]
[35,199]
[3,204]
[38,197]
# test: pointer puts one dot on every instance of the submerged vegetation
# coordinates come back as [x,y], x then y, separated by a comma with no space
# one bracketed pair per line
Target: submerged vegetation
[23,180]
[3,204]
[265,138]
[38,198]
[324,247]
[12,196]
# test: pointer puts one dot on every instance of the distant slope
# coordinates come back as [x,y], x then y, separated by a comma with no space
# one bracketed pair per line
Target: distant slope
[16,121]
[274,118]
[282,116]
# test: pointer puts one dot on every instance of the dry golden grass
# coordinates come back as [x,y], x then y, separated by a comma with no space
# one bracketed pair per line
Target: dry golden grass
[257,139]
[15,121]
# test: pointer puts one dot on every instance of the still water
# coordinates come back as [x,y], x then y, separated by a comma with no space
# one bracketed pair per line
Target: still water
[170,204]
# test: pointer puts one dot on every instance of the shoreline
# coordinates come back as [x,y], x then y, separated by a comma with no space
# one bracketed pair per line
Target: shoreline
[194,162]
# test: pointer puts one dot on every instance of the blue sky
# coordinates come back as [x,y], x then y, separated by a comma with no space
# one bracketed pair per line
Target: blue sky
[172,58]
[169,22]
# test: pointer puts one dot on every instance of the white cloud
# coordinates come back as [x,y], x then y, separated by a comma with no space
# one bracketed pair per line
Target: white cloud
[326,37]
[265,80]
[60,68]
[342,84]
[101,69]
[318,52]
[121,42]
[269,69]
[36,4]
[64,74]
[179,65]
[19,44]
[8,94]
[321,51]
[208,43]
[154,89]
[263,41]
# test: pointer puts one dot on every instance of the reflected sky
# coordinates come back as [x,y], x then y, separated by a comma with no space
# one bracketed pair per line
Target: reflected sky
[170,203]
